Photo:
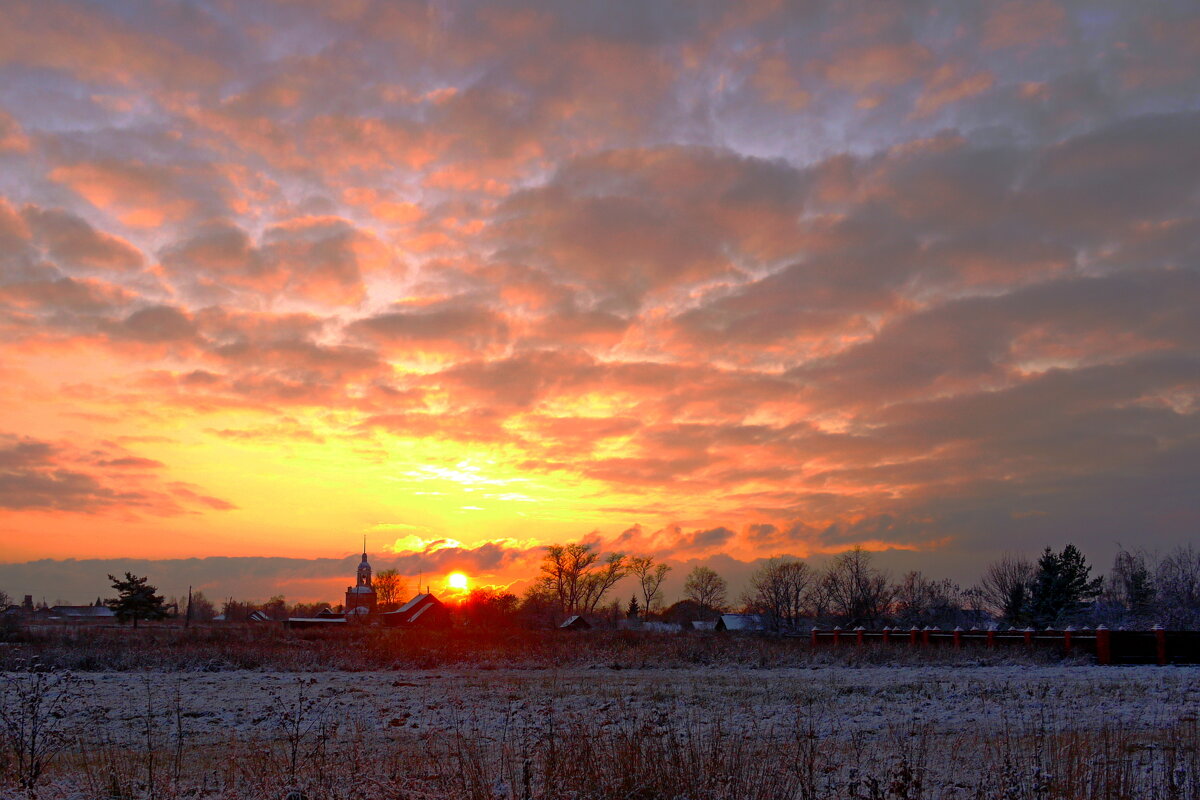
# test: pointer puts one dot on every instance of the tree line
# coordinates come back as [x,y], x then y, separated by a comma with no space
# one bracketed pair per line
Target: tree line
[1055,590]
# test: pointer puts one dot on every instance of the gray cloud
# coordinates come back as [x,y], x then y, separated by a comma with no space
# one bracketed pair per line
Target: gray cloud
[836,272]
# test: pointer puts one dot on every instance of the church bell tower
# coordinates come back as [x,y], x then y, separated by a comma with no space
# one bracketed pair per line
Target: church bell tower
[360,598]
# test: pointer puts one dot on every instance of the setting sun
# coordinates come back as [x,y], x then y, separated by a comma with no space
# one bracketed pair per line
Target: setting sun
[458,581]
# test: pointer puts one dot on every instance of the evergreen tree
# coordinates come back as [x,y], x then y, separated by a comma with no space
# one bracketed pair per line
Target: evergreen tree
[1061,586]
[634,609]
[135,599]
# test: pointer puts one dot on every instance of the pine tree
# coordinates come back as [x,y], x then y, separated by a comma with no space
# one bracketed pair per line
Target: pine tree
[1061,586]
[135,599]
[634,609]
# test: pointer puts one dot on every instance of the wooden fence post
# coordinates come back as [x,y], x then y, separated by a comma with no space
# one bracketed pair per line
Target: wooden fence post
[1103,645]
[912,635]
[858,635]
[957,637]
[837,634]
[1028,636]
[814,637]
[925,635]
[991,639]
[887,634]
[1160,644]
[1067,640]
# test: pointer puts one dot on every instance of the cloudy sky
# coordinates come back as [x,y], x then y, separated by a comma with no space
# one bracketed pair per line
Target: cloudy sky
[704,280]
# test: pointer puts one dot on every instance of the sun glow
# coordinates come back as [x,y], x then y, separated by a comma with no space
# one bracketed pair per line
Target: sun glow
[457,581]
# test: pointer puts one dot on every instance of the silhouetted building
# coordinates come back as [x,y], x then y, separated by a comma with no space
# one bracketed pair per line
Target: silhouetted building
[741,622]
[423,611]
[82,612]
[575,623]
[360,598]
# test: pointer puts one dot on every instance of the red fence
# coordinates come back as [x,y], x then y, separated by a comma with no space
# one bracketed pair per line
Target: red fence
[1156,646]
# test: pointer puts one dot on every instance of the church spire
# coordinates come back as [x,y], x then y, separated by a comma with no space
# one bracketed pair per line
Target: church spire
[364,569]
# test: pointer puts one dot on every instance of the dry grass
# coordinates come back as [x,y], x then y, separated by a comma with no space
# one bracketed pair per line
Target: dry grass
[234,647]
[306,745]
[646,760]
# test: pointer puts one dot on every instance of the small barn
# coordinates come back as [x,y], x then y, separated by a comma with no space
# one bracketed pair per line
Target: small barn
[575,623]
[741,622]
[423,611]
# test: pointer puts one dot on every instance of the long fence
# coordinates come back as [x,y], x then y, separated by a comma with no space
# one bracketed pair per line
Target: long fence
[1155,646]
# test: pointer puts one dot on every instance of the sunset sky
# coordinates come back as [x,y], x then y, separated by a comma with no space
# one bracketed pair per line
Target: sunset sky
[709,281]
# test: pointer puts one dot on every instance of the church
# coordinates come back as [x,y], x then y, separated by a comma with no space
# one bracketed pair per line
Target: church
[360,598]
[362,604]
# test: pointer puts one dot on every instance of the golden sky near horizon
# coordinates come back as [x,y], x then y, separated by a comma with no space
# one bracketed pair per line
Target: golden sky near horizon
[691,279]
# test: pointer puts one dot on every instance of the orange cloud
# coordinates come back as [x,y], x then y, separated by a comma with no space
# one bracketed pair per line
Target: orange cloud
[884,65]
[139,195]
[1023,23]
[776,79]
[12,138]
[94,46]
[541,270]
[948,85]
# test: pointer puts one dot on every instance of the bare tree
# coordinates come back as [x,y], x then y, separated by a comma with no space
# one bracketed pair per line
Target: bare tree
[276,607]
[650,576]
[572,574]
[389,589]
[1177,580]
[1129,587]
[539,606]
[857,591]
[779,590]
[706,589]
[596,583]
[203,609]
[563,568]
[920,600]
[1004,587]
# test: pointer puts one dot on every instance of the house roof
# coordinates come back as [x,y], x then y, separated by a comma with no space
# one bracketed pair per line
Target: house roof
[417,614]
[414,610]
[82,611]
[424,597]
[741,622]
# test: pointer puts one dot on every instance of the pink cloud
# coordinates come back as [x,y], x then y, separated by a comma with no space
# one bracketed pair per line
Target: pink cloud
[12,137]
[36,475]
[1023,24]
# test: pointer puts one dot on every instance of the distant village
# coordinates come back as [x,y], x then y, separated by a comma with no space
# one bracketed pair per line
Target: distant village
[576,584]
[363,606]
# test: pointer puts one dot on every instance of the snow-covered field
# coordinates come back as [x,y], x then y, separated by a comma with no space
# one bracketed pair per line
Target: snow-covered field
[953,732]
[837,700]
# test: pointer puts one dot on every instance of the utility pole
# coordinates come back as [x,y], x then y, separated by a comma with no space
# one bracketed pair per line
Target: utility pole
[187,619]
